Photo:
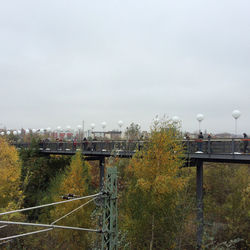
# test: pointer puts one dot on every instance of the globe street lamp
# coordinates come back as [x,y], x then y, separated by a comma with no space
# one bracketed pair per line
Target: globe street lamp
[104,124]
[236,114]
[120,124]
[92,126]
[200,118]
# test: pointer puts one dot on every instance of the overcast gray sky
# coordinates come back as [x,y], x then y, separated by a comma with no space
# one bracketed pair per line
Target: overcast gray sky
[62,62]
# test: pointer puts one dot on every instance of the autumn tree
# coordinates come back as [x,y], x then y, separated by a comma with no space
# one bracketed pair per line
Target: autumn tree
[75,180]
[154,181]
[10,192]
[133,132]
[10,169]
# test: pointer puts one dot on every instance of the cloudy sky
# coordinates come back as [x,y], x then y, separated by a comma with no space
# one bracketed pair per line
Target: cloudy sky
[62,62]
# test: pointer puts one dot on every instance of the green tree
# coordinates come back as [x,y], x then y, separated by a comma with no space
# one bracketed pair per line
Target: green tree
[36,174]
[227,203]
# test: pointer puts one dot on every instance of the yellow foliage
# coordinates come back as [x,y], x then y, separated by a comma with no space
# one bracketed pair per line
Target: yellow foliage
[76,181]
[156,166]
[10,169]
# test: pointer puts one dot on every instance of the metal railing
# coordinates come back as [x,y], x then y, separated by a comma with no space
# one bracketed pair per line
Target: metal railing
[207,146]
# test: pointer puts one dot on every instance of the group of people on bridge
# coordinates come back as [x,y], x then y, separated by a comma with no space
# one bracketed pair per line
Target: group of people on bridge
[200,138]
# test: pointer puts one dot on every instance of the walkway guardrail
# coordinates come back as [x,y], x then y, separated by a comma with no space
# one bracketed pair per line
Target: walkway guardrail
[207,146]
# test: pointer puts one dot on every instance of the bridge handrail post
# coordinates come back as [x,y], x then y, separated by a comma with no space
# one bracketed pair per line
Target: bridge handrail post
[233,146]
[209,146]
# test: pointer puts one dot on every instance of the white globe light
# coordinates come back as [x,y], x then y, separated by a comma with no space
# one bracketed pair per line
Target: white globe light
[236,114]
[8,132]
[68,127]
[59,127]
[2,133]
[79,126]
[104,124]
[14,133]
[200,117]
[48,129]
[19,132]
[92,126]
[27,131]
[41,130]
[33,130]
[120,123]
[175,119]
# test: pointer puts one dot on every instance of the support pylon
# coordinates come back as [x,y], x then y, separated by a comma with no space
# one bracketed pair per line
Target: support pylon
[109,215]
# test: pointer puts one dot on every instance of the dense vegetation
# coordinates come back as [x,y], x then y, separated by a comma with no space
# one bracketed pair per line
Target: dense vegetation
[157,200]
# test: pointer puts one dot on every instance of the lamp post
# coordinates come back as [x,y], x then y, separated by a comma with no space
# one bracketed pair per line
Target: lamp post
[200,118]
[92,127]
[79,129]
[236,114]
[104,124]
[120,124]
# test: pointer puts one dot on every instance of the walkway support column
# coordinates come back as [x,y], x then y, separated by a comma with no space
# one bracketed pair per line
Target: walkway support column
[199,193]
[101,166]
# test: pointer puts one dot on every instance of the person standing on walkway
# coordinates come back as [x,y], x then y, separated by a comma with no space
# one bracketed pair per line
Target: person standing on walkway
[199,143]
[245,143]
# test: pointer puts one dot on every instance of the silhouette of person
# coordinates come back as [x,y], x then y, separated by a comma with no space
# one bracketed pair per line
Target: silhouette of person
[199,142]
[85,144]
[245,143]
[94,144]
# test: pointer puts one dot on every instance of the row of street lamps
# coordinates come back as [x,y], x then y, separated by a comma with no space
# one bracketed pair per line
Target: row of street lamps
[200,117]
[58,129]
[236,114]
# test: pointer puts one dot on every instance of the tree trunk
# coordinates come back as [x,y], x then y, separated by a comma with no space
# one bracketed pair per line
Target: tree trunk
[152,234]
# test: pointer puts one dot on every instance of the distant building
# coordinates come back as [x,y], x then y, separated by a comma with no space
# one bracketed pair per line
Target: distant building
[112,135]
